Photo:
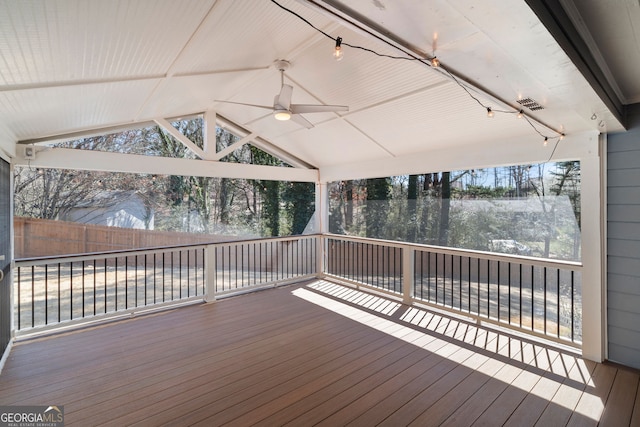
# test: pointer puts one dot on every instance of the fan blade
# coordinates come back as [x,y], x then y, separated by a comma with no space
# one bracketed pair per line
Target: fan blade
[301,121]
[284,99]
[248,105]
[308,108]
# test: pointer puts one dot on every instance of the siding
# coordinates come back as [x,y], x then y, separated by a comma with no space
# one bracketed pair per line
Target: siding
[623,243]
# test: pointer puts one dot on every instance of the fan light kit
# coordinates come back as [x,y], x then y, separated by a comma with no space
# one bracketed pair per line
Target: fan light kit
[281,115]
[282,107]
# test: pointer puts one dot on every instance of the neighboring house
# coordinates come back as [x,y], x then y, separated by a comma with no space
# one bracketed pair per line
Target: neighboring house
[124,209]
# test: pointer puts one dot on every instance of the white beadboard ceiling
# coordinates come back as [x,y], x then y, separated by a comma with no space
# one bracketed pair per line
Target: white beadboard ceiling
[74,65]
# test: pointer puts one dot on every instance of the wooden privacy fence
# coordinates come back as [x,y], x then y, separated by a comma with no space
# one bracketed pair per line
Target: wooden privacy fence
[41,237]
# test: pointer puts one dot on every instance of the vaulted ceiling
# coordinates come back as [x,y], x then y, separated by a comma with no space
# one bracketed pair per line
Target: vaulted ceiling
[70,66]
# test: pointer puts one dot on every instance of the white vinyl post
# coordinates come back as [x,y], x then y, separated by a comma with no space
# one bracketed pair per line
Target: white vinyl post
[593,280]
[408,266]
[210,273]
[321,225]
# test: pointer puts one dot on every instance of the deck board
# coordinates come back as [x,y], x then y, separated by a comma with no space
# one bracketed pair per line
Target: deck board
[315,353]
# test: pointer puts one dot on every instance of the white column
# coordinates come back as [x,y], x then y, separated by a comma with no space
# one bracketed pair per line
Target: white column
[322,208]
[210,273]
[408,267]
[593,208]
[321,225]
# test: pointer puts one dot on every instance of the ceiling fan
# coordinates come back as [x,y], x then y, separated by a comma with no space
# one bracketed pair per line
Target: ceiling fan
[282,107]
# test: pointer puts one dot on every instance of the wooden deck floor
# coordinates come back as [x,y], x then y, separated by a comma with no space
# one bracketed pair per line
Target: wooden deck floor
[312,354]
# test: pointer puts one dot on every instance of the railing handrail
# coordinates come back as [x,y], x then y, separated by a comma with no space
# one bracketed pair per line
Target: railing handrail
[492,256]
[25,262]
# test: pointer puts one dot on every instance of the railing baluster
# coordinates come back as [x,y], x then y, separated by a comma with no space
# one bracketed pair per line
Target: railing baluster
[46,294]
[460,282]
[469,284]
[126,282]
[20,297]
[71,290]
[544,293]
[478,300]
[59,294]
[163,277]
[135,260]
[154,278]
[498,281]
[520,295]
[436,277]
[533,298]
[83,291]
[558,302]
[488,289]
[33,299]
[94,287]
[509,292]
[572,307]
[145,279]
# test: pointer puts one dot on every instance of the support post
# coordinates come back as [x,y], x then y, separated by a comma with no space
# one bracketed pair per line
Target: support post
[210,273]
[592,203]
[408,266]
[321,226]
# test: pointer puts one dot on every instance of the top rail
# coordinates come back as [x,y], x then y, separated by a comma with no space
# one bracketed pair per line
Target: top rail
[491,256]
[30,261]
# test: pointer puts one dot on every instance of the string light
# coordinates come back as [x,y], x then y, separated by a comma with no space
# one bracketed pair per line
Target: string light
[338,54]
[433,62]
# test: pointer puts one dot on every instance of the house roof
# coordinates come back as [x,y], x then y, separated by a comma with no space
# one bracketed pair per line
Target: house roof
[68,67]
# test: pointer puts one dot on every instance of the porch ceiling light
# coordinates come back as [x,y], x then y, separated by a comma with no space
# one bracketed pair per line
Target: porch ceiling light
[282,114]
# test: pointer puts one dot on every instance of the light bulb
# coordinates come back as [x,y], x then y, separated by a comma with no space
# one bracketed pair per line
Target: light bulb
[561,136]
[489,112]
[546,141]
[520,114]
[338,54]
[282,115]
[435,62]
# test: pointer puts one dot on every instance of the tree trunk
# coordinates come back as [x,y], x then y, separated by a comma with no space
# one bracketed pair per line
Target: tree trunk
[348,207]
[412,199]
[445,196]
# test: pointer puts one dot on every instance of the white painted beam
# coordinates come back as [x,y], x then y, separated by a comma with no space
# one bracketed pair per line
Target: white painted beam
[164,124]
[499,153]
[66,158]
[275,151]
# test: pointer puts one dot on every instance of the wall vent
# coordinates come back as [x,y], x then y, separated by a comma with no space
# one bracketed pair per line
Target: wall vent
[530,104]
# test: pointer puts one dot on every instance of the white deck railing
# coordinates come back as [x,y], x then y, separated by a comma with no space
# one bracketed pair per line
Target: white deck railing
[542,297]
